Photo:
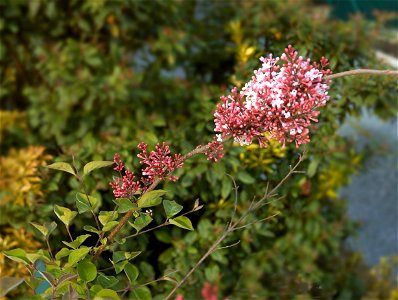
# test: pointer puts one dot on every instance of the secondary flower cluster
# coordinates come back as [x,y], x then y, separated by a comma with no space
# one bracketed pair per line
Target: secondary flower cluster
[158,164]
[279,100]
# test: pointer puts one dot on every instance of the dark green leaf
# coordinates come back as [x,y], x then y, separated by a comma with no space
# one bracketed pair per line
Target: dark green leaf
[141,222]
[124,205]
[171,208]
[131,272]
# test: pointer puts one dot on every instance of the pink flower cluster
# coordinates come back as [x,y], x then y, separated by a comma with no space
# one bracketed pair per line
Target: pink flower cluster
[215,150]
[278,100]
[158,165]
[209,292]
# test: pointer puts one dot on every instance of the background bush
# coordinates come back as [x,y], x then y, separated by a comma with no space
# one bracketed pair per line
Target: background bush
[86,79]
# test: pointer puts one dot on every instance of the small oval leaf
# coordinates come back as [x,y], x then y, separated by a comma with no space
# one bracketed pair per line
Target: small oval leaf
[62,166]
[93,165]
[182,222]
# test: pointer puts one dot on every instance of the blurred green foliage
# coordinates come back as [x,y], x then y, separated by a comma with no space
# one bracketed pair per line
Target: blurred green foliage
[97,77]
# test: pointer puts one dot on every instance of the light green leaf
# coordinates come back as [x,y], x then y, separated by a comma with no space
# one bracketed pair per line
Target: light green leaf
[7,284]
[64,214]
[62,253]
[171,208]
[119,266]
[109,226]
[107,216]
[91,166]
[77,255]
[87,270]
[91,229]
[151,198]
[131,272]
[45,229]
[141,222]
[85,203]
[124,205]
[182,222]
[18,255]
[62,166]
[77,242]
[107,294]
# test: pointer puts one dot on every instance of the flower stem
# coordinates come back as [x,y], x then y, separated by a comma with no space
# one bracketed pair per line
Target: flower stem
[363,72]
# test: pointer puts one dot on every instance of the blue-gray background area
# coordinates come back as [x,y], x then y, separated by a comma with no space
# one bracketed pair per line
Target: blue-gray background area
[372,196]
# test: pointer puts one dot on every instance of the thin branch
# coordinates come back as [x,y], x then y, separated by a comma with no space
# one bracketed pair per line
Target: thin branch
[362,72]
[198,150]
[147,230]
[257,221]
[70,236]
[231,228]
[235,188]
[229,246]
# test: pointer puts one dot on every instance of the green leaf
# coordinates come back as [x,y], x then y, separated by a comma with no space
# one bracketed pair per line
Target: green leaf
[109,226]
[7,284]
[87,270]
[45,229]
[141,222]
[107,281]
[107,216]
[77,255]
[119,266]
[91,166]
[151,198]
[18,255]
[41,254]
[246,178]
[313,166]
[85,203]
[122,255]
[124,205]
[226,187]
[62,166]
[107,294]
[62,253]
[131,272]
[64,214]
[91,229]
[65,278]
[182,222]
[171,208]
[77,242]
[140,293]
